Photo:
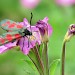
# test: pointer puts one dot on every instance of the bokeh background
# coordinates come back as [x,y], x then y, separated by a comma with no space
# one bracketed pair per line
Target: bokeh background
[60,14]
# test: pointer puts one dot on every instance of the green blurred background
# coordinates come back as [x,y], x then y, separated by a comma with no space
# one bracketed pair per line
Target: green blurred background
[60,17]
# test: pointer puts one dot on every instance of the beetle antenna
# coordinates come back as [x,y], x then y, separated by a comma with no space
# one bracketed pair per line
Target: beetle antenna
[31,20]
[30,27]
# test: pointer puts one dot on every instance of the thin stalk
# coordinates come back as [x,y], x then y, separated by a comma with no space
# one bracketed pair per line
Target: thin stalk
[39,58]
[35,57]
[45,59]
[63,59]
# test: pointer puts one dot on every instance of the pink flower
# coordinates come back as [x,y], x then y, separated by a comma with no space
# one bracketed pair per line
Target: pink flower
[26,42]
[65,2]
[29,3]
[44,28]
[36,38]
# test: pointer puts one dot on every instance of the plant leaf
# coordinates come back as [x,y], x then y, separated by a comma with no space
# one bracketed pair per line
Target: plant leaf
[53,66]
[30,64]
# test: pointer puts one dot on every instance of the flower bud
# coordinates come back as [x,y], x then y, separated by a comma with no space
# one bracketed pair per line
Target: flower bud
[70,32]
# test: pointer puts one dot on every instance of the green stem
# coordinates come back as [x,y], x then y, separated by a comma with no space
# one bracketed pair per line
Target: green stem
[37,60]
[63,59]
[45,59]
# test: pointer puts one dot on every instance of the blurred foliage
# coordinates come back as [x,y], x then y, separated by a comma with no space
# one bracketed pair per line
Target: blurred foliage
[59,17]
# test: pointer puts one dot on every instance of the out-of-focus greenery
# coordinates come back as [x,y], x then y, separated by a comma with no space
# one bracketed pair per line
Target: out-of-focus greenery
[12,62]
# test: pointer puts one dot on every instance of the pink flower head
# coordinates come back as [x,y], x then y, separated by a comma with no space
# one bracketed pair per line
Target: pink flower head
[29,3]
[65,2]
[30,41]
[26,42]
[44,28]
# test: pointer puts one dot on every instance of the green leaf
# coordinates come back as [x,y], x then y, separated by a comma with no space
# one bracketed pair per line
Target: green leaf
[53,66]
[30,64]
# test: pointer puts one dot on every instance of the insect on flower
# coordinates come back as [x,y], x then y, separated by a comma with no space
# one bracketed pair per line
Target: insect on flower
[15,31]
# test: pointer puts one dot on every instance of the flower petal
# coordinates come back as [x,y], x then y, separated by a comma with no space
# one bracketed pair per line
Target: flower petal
[49,30]
[25,23]
[45,19]
[44,27]
[7,46]
[10,44]
[3,49]
[25,45]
